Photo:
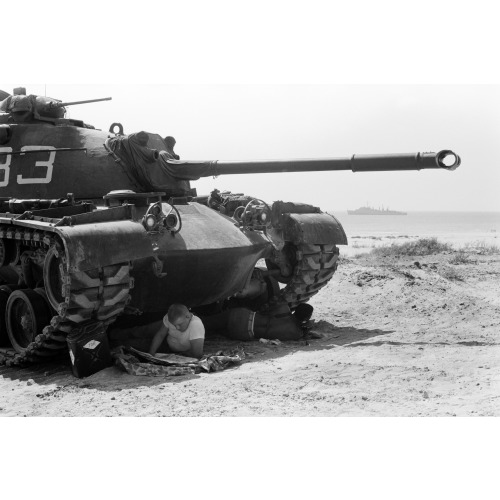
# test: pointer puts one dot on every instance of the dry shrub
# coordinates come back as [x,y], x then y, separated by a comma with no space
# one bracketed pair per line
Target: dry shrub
[450,273]
[482,248]
[461,257]
[360,255]
[422,246]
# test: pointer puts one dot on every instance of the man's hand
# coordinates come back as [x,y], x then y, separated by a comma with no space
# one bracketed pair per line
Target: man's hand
[196,349]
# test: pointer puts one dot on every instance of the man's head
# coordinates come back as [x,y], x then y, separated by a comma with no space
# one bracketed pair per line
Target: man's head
[179,316]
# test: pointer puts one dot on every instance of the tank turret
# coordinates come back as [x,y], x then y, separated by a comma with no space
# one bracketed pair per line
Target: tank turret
[155,167]
[43,155]
[22,108]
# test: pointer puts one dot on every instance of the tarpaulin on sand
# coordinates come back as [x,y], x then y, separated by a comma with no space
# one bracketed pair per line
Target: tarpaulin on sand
[137,362]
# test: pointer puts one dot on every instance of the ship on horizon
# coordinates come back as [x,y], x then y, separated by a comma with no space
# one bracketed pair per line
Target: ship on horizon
[374,211]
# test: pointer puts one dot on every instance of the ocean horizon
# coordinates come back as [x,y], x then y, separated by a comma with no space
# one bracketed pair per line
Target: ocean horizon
[456,228]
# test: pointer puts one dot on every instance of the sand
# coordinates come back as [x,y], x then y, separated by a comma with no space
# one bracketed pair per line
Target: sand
[414,336]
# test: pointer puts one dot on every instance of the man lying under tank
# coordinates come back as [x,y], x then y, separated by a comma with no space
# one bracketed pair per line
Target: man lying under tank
[275,321]
[184,331]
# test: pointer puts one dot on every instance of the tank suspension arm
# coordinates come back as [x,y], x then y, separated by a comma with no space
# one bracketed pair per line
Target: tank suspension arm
[445,159]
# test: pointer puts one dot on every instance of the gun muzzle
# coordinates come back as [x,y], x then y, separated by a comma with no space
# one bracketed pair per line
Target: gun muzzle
[446,159]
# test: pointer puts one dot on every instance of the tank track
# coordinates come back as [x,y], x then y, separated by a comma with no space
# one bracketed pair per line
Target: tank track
[315,266]
[91,300]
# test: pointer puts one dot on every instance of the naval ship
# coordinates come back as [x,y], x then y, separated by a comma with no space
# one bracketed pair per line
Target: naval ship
[374,211]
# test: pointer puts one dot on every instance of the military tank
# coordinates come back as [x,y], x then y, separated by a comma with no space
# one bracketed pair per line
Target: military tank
[98,225]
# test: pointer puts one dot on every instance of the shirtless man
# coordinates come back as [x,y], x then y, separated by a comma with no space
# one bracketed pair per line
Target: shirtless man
[184,331]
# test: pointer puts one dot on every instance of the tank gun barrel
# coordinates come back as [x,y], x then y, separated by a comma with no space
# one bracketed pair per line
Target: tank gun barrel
[445,159]
[64,104]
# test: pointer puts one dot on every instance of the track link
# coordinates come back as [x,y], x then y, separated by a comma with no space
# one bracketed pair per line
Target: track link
[89,300]
[315,266]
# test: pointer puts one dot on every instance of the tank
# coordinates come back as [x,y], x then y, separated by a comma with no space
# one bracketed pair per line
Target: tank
[99,227]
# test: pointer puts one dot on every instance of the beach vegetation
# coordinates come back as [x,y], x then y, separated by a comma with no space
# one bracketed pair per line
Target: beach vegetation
[482,248]
[360,255]
[420,247]
[450,273]
[461,257]
[343,258]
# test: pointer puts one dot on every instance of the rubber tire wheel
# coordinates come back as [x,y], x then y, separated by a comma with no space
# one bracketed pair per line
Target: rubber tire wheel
[5,291]
[39,312]
[10,288]
[4,337]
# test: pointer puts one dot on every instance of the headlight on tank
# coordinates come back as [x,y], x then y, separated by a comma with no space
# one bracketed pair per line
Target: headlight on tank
[170,221]
[156,221]
[150,222]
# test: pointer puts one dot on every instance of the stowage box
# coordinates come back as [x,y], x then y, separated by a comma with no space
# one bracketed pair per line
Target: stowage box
[89,352]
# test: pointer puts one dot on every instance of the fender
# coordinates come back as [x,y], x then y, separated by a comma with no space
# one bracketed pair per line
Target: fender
[317,228]
[106,243]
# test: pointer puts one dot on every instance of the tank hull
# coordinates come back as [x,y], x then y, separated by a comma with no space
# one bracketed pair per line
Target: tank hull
[209,260]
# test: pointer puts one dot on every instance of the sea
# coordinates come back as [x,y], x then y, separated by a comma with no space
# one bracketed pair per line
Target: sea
[456,228]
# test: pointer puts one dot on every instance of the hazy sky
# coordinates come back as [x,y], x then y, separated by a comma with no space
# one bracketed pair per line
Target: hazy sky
[241,122]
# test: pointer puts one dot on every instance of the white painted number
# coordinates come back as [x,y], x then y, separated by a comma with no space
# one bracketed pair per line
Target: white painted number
[48,163]
[5,166]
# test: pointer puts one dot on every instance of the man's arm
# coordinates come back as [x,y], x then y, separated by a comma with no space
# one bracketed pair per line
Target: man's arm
[196,349]
[158,339]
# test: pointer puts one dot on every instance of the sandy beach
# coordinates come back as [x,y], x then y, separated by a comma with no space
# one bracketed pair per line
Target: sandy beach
[390,336]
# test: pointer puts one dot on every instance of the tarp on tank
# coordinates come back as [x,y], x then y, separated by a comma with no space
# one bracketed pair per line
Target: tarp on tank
[151,163]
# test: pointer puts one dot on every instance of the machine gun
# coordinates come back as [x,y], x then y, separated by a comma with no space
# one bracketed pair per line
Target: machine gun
[58,104]
[47,109]
[23,108]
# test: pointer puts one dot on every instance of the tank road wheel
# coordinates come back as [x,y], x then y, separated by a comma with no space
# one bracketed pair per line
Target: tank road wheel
[27,314]
[8,252]
[54,275]
[5,291]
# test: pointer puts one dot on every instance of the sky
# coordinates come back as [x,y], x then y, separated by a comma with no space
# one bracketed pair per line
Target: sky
[287,121]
